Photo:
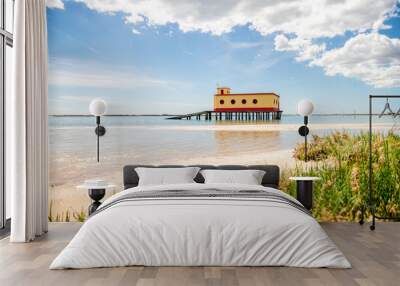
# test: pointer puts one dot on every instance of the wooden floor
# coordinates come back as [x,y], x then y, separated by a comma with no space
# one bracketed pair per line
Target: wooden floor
[375,257]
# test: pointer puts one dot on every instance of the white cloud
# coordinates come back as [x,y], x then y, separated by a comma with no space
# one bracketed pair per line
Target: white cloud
[56,4]
[305,48]
[304,18]
[245,45]
[136,31]
[98,79]
[71,73]
[373,58]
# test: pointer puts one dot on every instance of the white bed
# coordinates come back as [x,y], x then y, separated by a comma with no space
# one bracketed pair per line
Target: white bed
[202,231]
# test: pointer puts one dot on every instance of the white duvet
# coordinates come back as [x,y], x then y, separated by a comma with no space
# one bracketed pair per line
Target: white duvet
[193,231]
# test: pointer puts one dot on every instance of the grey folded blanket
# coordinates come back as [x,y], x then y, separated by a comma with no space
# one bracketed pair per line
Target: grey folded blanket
[206,194]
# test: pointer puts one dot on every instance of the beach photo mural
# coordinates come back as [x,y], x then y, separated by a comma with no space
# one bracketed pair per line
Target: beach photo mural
[217,82]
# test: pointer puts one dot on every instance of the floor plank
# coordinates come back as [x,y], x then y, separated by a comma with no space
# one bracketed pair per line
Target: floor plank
[375,257]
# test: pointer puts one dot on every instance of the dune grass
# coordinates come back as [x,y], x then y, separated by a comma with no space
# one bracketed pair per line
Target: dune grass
[66,216]
[341,160]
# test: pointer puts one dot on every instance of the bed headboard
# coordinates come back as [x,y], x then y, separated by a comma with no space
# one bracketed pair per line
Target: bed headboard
[271,177]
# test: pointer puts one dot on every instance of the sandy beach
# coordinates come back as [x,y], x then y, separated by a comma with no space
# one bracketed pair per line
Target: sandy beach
[64,194]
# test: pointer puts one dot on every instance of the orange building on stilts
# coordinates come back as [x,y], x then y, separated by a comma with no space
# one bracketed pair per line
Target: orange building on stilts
[247,105]
[240,106]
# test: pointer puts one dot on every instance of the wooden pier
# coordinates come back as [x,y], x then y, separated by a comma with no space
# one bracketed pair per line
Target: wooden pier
[224,115]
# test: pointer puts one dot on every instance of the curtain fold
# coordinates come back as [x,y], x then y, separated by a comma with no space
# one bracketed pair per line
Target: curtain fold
[28,153]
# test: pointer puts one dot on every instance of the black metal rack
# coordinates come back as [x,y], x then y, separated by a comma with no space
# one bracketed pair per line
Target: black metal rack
[371,200]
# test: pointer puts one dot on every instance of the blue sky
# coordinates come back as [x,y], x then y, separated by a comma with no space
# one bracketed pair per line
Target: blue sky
[143,60]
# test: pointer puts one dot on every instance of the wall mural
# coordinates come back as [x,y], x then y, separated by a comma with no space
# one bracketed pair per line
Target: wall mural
[190,84]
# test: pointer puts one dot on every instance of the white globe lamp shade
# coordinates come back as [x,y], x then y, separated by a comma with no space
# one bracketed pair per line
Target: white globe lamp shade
[98,107]
[305,107]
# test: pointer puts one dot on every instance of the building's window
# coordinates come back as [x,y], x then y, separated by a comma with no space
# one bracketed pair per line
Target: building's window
[255,101]
[244,101]
[233,101]
[221,101]
[222,91]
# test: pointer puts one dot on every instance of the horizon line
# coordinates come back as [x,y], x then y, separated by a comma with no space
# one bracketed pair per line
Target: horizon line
[171,114]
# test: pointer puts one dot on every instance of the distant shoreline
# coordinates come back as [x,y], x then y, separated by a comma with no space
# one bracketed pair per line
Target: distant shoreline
[110,115]
[164,115]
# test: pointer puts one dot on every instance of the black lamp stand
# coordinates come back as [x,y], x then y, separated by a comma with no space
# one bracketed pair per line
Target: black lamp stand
[100,131]
[303,131]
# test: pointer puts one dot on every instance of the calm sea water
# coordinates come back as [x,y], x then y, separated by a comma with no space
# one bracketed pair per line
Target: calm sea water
[146,138]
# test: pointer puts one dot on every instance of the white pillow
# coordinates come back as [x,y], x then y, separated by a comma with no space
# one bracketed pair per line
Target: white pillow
[248,177]
[166,176]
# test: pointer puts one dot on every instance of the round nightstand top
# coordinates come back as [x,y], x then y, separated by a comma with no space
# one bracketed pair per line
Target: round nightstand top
[304,178]
[95,187]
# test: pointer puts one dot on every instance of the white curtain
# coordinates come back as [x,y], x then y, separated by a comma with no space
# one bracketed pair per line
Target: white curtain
[27,159]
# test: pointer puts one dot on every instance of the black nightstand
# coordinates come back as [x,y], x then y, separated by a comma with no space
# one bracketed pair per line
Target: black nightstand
[305,186]
[96,193]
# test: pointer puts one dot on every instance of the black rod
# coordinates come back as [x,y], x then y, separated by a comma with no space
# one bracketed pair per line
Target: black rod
[384,96]
[371,203]
[305,139]
[98,143]
[98,137]
[305,149]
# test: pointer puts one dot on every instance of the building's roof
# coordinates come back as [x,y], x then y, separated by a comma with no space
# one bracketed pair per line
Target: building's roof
[250,93]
